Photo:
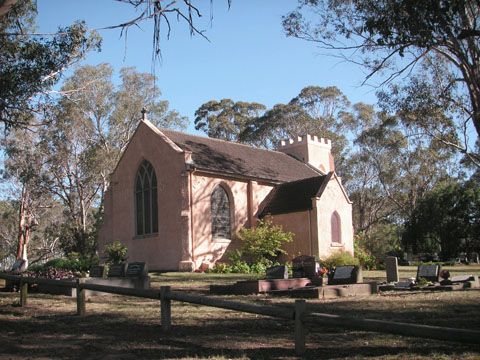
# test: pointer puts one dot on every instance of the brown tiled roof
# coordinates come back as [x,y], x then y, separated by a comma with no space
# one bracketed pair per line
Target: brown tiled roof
[295,196]
[237,159]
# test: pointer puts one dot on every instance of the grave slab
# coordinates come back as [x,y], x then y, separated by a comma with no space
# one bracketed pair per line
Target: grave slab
[136,270]
[98,271]
[117,270]
[349,274]
[391,267]
[304,266]
[277,272]
[430,272]
[258,286]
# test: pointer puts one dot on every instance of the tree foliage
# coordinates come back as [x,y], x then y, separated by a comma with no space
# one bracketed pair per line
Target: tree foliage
[31,65]
[265,241]
[396,35]
[226,119]
[68,159]
[446,221]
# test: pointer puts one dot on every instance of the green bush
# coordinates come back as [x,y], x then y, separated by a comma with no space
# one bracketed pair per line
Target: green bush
[339,258]
[116,253]
[264,241]
[220,268]
[365,258]
[73,262]
[261,246]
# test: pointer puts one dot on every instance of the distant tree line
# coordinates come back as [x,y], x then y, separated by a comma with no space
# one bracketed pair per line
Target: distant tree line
[391,169]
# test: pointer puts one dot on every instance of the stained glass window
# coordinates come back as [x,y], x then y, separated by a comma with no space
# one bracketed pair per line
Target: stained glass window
[336,228]
[220,207]
[146,206]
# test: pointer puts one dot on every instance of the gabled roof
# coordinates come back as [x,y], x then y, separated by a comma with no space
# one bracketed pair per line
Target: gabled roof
[295,196]
[230,158]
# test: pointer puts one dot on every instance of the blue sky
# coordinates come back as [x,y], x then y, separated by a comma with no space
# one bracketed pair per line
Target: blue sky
[248,57]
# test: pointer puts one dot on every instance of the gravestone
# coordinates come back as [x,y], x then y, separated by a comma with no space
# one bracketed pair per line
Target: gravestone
[304,266]
[136,269]
[97,271]
[391,266]
[430,272]
[349,274]
[117,270]
[277,272]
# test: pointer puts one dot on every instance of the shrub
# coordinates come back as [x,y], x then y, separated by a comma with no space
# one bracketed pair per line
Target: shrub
[264,241]
[116,252]
[73,262]
[366,259]
[260,247]
[220,268]
[340,258]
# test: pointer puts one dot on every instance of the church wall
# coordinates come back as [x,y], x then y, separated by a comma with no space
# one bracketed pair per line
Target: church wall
[206,249]
[332,200]
[298,223]
[160,251]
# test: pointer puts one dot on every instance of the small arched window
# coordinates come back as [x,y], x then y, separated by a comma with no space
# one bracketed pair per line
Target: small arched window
[336,228]
[220,207]
[146,206]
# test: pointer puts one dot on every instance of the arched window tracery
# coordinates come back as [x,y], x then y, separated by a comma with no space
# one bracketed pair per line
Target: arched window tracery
[146,205]
[336,228]
[221,215]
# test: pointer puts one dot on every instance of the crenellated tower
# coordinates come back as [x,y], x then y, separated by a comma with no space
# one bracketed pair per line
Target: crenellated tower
[310,149]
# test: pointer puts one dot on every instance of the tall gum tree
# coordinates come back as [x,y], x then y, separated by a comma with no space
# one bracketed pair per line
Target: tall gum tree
[392,36]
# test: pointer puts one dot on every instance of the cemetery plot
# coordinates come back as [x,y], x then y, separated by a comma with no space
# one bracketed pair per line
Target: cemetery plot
[117,270]
[350,274]
[429,272]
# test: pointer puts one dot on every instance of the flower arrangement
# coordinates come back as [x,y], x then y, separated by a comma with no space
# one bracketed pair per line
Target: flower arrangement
[445,274]
[322,271]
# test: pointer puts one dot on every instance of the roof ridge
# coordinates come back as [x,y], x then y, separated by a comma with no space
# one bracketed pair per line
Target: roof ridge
[222,140]
[301,180]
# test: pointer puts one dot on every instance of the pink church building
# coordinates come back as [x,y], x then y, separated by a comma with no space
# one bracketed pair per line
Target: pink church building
[177,200]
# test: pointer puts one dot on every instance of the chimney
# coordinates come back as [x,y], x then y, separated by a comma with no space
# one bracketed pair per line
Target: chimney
[310,150]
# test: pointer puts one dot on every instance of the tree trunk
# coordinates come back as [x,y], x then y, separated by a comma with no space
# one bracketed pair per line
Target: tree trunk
[23,225]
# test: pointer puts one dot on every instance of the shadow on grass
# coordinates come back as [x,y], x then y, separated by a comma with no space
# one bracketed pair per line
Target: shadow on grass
[419,308]
[38,333]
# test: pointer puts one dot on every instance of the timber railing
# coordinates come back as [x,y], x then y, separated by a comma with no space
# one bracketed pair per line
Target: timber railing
[296,313]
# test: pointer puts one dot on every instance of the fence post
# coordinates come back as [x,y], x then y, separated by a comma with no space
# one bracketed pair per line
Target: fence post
[81,308]
[23,293]
[165,308]
[300,307]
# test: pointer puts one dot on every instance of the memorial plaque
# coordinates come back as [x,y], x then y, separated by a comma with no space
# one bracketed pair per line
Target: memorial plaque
[97,271]
[304,266]
[117,270]
[136,269]
[349,274]
[429,272]
[391,265]
[277,272]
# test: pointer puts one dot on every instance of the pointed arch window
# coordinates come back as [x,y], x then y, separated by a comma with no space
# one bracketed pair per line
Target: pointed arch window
[221,219]
[336,228]
[146,206]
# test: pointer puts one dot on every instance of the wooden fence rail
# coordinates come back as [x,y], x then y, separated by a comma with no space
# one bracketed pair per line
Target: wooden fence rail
[298,313]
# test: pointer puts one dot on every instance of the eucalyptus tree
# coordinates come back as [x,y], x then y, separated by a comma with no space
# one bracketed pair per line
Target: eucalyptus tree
[226,119]
[391,37]
[446,220]
[30,64]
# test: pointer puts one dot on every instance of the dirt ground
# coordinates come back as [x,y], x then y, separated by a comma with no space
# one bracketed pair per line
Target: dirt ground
[117,327]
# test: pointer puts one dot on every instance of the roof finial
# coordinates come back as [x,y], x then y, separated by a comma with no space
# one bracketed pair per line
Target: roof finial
[144,113]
